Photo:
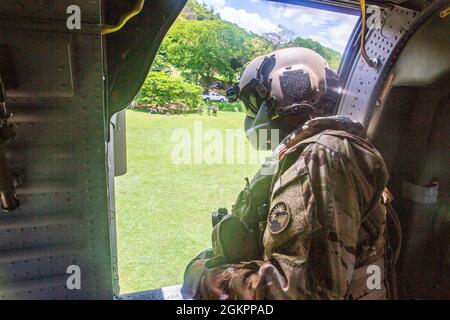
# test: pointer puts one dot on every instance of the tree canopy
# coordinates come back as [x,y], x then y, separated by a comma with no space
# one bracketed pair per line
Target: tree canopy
[200,49]
[205,50]
[160,89]
[332,56]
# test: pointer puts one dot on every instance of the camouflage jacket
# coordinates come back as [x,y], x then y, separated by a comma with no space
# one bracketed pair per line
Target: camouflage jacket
[315,247]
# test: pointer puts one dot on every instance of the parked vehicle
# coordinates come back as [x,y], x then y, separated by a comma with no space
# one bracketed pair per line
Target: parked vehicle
[214,96]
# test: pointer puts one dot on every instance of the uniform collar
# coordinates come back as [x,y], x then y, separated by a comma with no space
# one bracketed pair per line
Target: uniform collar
[316,126]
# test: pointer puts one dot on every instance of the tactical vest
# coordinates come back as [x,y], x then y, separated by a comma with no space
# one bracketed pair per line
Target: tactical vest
[249,216]
[363,285]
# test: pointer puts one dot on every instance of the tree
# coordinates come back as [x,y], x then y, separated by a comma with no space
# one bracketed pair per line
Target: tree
[161,88]
[198,11]
[280,38]
[207,50]
[332,56]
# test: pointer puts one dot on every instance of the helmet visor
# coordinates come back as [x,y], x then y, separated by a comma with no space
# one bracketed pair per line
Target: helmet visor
[252,96]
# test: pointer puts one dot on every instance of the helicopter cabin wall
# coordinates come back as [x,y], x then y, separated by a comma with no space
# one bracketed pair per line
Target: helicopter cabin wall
[55,89]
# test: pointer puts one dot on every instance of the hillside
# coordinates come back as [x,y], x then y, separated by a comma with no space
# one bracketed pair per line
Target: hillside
[196,11]
[205,49]
[332,56]
[201,51]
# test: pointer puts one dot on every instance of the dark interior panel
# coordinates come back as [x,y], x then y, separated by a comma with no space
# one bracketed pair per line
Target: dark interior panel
[414,137]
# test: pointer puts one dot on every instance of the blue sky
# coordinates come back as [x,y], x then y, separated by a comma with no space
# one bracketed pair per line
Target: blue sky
[329,28]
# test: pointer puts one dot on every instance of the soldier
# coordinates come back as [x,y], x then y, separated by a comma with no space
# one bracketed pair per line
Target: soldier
[315,228]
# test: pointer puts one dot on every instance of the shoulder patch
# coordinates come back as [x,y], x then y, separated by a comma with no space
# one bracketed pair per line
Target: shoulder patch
[279,218]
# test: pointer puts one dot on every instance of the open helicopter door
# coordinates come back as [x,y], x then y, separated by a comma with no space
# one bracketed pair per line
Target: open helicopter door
[60,242]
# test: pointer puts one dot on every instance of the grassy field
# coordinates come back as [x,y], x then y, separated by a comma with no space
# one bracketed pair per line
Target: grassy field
[163,209]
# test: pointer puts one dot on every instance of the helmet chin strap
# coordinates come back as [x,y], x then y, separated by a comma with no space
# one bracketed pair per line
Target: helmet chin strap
[264,120]
[296,108]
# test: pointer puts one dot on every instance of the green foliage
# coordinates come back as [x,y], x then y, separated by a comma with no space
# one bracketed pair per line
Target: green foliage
[160,89]
[205,50]
[332,56]
[200,11]
[160,63]
[227,106]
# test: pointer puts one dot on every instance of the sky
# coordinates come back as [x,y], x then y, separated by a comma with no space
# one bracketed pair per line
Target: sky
[329,28]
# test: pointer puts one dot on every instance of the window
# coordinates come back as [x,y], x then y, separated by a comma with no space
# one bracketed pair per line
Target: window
[185,158]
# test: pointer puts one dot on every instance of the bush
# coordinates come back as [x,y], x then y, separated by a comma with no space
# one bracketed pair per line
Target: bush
[227,106]
[162,89]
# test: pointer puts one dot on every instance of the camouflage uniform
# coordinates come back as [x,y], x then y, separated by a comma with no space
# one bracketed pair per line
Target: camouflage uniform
[325,225]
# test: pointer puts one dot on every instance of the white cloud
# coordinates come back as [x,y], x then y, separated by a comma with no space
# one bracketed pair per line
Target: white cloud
[329,28]
[250,21]
[279,10]
[336,36]
[305,16]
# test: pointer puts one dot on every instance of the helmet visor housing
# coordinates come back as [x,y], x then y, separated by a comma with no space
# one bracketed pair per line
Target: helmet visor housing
[250,96]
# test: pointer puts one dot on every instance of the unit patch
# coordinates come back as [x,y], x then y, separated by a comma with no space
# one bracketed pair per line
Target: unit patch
[279,218]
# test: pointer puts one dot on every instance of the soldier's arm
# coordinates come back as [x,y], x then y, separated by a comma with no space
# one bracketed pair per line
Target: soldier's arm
[310,238]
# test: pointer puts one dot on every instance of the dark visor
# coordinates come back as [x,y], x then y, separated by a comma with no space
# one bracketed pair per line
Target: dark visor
[251,96]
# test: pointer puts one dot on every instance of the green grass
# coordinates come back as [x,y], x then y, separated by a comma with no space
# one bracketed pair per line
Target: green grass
[163,209]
